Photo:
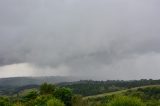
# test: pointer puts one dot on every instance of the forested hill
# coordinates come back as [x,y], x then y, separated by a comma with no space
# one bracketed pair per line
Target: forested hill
[89,87]
[11,86]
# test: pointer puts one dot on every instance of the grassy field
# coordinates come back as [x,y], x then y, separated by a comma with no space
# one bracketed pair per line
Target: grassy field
[117,92]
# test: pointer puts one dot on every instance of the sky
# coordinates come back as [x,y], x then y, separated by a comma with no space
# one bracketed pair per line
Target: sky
[90,39]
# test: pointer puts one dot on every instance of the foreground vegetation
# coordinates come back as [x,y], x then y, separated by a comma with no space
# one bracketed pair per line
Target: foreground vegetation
[146,96]
[53,95]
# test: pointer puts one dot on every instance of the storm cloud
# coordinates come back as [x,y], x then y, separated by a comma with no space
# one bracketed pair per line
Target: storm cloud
[96,39]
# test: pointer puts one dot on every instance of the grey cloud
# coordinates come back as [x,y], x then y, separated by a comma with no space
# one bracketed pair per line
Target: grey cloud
[84,35]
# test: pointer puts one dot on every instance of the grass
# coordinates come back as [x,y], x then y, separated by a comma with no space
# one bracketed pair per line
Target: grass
[117,92]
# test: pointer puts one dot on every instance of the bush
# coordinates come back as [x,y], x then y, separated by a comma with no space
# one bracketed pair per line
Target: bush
[54,102]
[18,104]
[47,88]
[41,100]
[30,96]
[4,101]
[77,100]
[64,94]
[126,101]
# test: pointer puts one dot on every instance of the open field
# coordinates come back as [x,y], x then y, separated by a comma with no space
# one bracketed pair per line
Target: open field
[118,92]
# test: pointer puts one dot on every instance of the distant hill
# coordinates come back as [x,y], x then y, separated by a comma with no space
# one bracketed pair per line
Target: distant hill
[13,85]
[90,87]
[22,81]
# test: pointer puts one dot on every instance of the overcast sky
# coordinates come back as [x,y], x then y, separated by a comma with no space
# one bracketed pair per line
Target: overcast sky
[96,39]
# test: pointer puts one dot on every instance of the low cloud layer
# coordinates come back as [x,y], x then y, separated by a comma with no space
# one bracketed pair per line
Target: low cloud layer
[106,39]
[25,69]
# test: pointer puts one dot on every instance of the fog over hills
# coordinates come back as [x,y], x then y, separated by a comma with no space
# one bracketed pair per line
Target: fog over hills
[23,81]
[93,39]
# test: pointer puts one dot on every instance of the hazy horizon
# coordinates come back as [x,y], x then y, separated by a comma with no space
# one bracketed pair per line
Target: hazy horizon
[96,39]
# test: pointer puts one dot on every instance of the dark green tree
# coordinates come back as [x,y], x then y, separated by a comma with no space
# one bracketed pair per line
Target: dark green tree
[4,101]
[30,96]
[64,94]
[47,89]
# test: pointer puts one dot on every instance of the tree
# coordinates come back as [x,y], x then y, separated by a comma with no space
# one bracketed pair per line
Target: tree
[4,101]
[64,94]
[30,96]
[47,88]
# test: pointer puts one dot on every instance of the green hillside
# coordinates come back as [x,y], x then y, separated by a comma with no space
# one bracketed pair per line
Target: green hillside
[64,94]
[149,95]
[118,92]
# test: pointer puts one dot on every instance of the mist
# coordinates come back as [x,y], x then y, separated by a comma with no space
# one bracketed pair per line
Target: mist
[106,39]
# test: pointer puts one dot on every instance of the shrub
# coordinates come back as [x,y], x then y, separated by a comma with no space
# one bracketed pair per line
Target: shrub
[64,94]
[77,100]
[47,88]
[30,96]
[41,100]
[126,101]
[4,101]
[54,102]
[18,104]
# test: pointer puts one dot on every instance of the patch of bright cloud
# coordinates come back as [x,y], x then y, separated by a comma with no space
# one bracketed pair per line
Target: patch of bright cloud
[26,69]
